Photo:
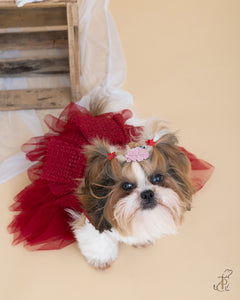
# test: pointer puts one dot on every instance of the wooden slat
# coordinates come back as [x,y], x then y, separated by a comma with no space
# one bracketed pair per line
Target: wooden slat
[74,50]
[42,40]
[19,67]
[30,17]
[34,98]
[33,29]
[12,3]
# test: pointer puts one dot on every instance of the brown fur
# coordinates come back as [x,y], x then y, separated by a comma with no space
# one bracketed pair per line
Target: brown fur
[100,178]
[178,168]
[110,209]
[79,222]
[97,107]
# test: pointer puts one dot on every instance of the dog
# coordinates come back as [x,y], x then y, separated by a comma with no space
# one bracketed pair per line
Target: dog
[101,177]
[133,194]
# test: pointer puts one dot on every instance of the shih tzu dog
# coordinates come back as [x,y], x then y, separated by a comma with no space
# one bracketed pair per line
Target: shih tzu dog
[133,194]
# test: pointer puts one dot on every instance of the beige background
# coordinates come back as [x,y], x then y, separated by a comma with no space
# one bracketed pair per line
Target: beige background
[183,65]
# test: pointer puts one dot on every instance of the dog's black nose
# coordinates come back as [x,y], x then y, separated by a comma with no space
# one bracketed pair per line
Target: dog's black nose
[148,199]
[147,195]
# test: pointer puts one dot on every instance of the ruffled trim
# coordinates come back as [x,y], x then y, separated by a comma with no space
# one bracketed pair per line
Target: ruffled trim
[201,171]
[42,222]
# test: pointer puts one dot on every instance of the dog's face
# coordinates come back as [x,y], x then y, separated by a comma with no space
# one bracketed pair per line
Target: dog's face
[144,199]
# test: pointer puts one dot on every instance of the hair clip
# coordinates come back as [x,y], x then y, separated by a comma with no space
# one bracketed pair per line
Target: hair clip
[150,143]
[137,154]
[111,155]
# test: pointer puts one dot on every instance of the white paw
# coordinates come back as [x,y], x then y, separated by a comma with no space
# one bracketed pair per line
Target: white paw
[23,2]
[100,265]
[99,249]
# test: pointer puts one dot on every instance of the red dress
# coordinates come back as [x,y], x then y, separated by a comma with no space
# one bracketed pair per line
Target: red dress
[42,222]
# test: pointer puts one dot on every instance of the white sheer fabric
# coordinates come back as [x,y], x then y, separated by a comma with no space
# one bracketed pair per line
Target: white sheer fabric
[103,70]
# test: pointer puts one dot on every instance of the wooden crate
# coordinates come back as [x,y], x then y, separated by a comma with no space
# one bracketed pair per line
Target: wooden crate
[42,25]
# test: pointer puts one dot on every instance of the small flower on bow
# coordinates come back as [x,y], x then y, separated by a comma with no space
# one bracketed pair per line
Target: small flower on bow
[111,155]
[151,143]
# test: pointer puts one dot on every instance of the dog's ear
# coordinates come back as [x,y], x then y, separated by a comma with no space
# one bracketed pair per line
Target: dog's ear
[99,180]
[177,165]
[175,158]
[166,144]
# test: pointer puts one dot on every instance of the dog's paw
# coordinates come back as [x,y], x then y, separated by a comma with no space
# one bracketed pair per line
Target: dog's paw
[100,258]
[101,265]
[99,249]
[20,3]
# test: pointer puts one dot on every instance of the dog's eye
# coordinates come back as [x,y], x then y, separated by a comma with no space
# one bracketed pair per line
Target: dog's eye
[157,179]
[127,186]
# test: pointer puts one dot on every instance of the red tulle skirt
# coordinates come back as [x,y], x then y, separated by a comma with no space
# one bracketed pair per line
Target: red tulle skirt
[42,222]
